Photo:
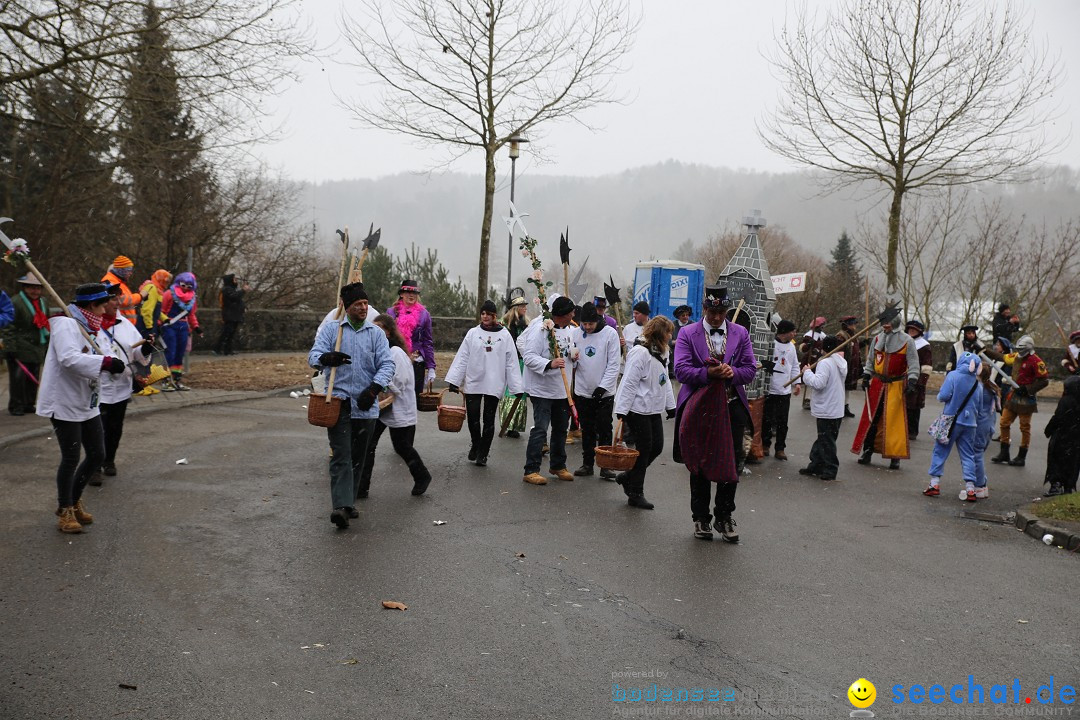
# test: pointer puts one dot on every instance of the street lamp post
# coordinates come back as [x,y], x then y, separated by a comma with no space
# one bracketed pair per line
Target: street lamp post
[515,151]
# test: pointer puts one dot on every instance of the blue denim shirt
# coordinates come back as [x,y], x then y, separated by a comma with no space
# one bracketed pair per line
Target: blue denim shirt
[371,362]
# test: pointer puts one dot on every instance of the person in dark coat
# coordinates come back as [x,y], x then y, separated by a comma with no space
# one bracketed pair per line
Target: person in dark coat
[1063,451]
[232,312]
[916,401]
[26,340]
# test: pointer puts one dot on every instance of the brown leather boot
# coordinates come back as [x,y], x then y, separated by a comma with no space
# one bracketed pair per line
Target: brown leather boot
[67,522]
[81,515]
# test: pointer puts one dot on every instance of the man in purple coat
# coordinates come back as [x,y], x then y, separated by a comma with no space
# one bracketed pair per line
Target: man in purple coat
[708,352]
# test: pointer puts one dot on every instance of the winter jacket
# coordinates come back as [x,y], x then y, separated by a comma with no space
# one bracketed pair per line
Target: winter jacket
[7,310]
[540,380]
[70,376]
[232,300]
[128,299]
[23,338]
[785,368]
[118,341]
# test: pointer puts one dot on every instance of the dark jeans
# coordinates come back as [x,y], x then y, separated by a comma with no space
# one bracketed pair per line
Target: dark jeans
[72,476]
[649,435]
[775,421]
[823,460]
[595,417]
[22,390]
[555,413]
[225,338]
[481,437]
[112,423]
[700,490]
[402,440]
[348,454]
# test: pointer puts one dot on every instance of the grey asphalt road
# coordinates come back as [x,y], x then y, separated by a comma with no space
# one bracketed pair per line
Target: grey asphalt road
[219,589]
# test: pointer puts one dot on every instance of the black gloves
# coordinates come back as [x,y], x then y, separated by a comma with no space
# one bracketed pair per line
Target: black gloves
[912,386]
[113,365]
[621,417]
[198,330]
[454,388]
[147,349]
[369,396]
[671,414]
[865,382]
[598,393]
[334,359]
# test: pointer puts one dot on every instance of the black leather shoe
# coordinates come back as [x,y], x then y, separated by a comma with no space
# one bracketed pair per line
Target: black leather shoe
[639,501]
[481,461]
[584,471]
[608,475]
[353,514]
[513,434]
[95,479]
[472,453]
[420,486]
[340,517]
[894,464]
[864,459]
[807,471]
[109,469]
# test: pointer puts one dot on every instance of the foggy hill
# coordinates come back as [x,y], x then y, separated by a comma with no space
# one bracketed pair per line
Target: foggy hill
[638,214]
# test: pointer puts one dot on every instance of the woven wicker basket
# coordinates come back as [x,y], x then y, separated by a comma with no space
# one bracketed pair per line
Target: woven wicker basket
[451,417]
[616,456]
[322,413]
[428,400]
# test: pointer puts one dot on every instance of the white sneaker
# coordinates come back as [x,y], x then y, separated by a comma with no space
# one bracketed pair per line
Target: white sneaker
[982,493]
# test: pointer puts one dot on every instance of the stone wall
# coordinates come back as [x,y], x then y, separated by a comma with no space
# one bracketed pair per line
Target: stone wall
[294,330]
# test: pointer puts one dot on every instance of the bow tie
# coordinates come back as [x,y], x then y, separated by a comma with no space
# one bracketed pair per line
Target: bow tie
[716,331]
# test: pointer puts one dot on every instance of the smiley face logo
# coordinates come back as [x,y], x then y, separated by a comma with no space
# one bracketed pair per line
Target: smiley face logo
[862,693]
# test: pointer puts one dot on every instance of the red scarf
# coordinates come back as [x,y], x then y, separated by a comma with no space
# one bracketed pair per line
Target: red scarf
[40,321]
[93,321]
[107,321]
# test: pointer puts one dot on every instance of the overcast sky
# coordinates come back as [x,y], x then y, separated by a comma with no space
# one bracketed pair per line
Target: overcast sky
[697,82]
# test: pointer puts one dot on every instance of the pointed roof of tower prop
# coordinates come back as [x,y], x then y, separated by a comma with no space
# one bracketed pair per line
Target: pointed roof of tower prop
[577,289]
[749,257]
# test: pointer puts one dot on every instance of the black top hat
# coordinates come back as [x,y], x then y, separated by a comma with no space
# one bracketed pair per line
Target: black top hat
[409,286]
[716,298]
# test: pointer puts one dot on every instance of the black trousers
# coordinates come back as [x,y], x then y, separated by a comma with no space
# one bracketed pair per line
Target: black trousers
[402,439]
[775,421]
[22,390]
[229,329]
[913,415]
[112,423]
[823,460]
[74,437]
[649,439]
[701,488]
[595,417]
[419,370]
[481,435]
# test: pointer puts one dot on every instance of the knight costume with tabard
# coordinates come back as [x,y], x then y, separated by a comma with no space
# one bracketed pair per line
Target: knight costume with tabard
[891,370]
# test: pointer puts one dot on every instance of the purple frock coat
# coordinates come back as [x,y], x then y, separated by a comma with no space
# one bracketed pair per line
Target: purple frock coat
[692,352]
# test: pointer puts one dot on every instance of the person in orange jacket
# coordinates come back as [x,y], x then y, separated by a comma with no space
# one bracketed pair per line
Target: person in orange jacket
[118,274]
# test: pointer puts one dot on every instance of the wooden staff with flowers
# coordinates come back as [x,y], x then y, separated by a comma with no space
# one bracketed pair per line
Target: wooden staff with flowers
[18,255]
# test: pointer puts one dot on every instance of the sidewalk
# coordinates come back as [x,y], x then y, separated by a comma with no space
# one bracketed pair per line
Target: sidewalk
[14,429]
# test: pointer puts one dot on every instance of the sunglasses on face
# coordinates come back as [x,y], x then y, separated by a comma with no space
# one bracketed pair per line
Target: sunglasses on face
[185,286]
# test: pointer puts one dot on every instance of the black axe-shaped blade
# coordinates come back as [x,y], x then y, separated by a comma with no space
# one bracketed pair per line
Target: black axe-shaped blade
[344,235]
[372,240]
[564,247]
[611,292]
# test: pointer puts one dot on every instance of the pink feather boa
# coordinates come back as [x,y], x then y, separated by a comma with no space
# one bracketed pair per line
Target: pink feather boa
[408,318]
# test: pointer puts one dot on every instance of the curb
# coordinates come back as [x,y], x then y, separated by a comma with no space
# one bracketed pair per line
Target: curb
[1037,527]
[47,430]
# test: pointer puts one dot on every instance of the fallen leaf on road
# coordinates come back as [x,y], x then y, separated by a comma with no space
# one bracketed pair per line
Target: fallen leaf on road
[438,522]
[1022,622]
[125,686]
[351,661]
[519,555]
[394,605]
[182,461]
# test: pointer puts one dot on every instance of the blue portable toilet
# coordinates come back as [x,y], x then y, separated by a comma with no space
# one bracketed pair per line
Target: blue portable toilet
[667,284]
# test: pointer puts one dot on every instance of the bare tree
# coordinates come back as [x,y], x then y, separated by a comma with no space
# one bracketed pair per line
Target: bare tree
[912,95]
[929,250]
[471,74]
[227,54]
